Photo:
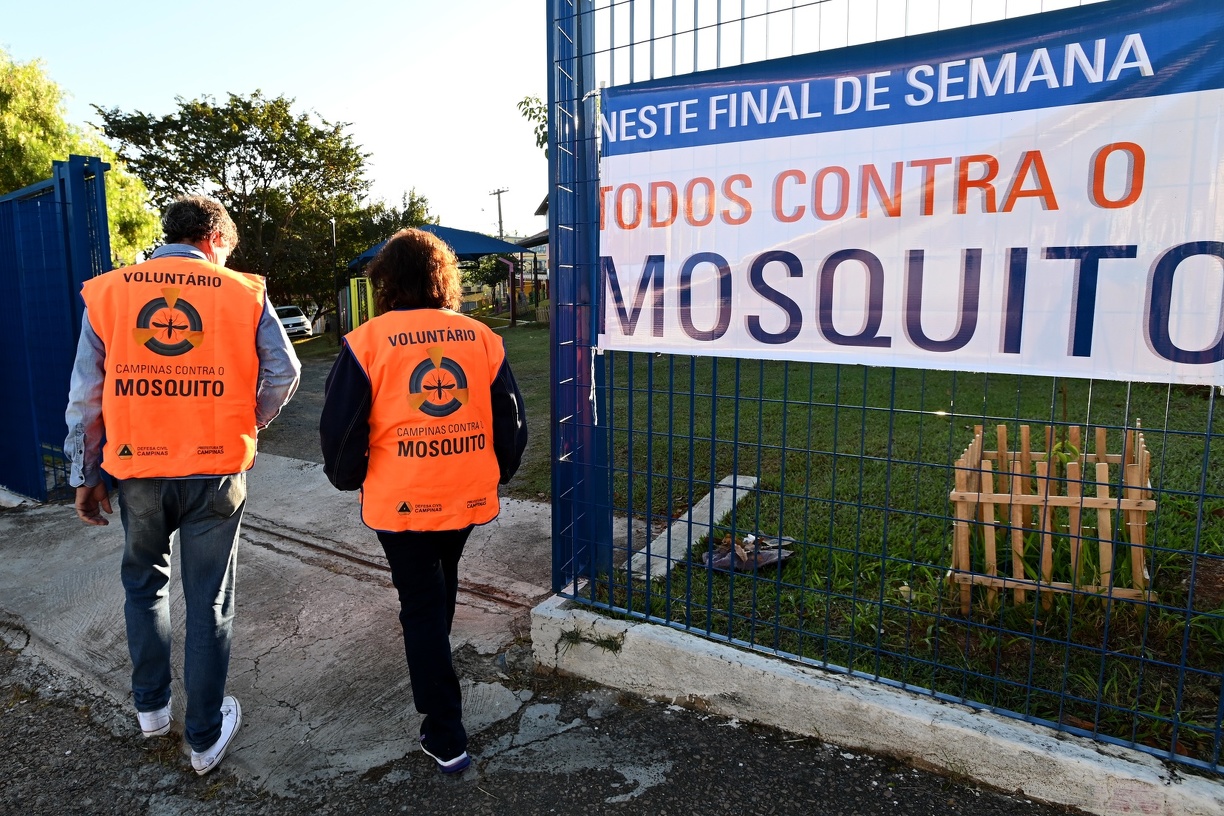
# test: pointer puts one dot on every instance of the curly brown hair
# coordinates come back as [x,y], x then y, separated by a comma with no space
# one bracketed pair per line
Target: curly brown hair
[193,218]
[415,269]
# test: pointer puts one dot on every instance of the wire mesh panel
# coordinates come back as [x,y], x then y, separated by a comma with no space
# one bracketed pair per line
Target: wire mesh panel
[1049,548]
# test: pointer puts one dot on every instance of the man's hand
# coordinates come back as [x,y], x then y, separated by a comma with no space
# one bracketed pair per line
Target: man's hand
[89,500]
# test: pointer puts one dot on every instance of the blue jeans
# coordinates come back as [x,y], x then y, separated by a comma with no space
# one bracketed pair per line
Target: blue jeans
[207,514]
[425,571]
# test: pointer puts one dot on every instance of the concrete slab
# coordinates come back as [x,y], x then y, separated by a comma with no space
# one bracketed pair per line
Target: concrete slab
[664,664]
[10,499]
[318,657]
[673,544]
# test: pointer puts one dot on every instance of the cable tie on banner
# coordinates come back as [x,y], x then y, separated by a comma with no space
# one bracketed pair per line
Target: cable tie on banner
[595,91]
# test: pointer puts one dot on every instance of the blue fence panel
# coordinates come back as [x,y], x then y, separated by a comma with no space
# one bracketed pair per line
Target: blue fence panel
[1099,612]
[581,516]
[53,237]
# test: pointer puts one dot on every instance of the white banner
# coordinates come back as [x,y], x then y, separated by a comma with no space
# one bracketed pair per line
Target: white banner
[1040,199]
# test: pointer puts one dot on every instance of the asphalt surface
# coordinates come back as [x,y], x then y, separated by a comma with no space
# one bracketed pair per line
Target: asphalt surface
[328,720]
[573,748]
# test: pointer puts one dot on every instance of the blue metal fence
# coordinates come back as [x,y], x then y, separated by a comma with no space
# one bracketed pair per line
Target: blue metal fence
[1103,618]
[53,237]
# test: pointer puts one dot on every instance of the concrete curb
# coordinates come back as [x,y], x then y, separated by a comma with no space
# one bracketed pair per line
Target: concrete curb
[10,499]
[658,662]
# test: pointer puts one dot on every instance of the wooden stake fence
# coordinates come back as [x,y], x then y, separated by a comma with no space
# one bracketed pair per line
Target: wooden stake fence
[1018,485]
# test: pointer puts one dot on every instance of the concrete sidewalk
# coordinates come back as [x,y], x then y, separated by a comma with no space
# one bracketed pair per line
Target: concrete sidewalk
[318,658]
[318,665]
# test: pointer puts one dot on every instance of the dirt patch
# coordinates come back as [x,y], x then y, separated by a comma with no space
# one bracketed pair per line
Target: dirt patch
[1209,584]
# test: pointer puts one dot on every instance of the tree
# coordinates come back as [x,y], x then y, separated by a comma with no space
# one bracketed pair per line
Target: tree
[378,222]
[535,112]
[356,231]
[490,270]
[34,133]
[283,176]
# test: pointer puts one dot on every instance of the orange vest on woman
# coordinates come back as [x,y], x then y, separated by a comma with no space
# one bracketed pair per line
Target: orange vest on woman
[182,367]
[431,465]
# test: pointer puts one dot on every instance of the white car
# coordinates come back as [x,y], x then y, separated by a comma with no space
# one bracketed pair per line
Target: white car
[294,321]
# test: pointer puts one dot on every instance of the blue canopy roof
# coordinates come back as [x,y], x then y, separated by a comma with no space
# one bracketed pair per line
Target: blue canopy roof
[468,246]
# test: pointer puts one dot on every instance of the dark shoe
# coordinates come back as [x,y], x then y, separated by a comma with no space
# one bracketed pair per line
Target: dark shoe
[448,766]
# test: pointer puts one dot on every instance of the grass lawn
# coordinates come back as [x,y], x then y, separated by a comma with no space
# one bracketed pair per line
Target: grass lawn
[527,351]
[317,347]
[855,466]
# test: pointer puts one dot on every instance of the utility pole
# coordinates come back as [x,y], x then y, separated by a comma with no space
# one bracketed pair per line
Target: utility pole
[498,193]
[335,278]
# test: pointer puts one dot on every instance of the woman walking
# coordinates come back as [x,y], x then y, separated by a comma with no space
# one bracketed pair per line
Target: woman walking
[422,414]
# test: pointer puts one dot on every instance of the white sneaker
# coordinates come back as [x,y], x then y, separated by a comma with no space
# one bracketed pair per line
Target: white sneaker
[155,723]
[231,721]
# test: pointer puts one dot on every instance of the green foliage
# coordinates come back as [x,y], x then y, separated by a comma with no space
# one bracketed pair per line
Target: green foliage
[356,231]
[1059,456]
[490,270]
[34,133]
[284,176]
[379,221]
[535,112]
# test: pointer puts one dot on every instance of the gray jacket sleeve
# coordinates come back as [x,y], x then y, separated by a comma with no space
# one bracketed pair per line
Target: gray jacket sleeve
[279,369]
[83,446]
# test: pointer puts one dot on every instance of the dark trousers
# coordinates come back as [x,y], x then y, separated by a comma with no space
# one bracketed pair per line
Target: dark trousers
[425,571]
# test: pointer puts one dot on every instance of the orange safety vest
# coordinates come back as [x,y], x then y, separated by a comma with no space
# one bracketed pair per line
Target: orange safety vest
[431,461]
[182,367]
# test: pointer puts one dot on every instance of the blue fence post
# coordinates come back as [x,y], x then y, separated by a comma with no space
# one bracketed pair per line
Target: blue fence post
[20,468]
[582,523]
[82,181]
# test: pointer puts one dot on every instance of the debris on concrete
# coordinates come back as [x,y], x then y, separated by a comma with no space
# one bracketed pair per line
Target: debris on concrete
[750,554]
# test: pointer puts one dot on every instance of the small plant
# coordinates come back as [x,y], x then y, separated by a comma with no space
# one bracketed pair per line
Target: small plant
[1060,454]
[611,643]
[569,639]
[572,637]
[1210,626]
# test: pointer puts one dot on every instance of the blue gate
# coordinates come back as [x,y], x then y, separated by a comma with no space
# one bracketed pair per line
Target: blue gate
[1098,612]
[53,237]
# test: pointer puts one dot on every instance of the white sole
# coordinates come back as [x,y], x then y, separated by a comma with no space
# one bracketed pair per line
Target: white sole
[224,748]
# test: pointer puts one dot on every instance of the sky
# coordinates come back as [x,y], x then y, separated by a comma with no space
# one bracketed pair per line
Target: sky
[428,86]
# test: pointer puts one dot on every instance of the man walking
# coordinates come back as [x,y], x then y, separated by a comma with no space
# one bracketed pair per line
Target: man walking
[180,363]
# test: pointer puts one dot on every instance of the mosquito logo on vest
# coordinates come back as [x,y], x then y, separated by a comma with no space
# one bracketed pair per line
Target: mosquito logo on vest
[169,325]
[438,386]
